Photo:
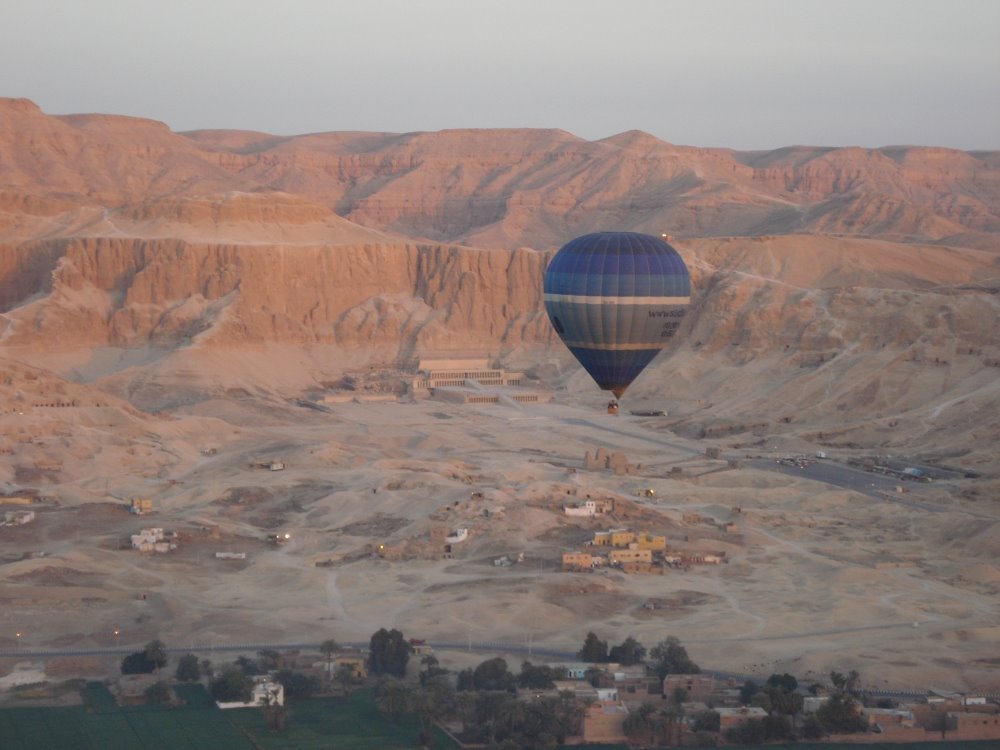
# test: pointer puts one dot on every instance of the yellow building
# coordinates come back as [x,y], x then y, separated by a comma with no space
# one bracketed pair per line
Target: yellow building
[645,540]
[630,556]
[354,662]
[604,721]
[613,538]
[622,538]
[577,561]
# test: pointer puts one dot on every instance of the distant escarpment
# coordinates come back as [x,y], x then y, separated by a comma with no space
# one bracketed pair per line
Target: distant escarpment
[505,188]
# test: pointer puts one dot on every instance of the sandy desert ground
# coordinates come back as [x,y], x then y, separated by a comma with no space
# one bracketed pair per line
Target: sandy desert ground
[819,577]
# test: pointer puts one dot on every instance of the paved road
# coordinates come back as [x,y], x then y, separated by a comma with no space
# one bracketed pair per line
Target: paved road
[875,486]
[832,472]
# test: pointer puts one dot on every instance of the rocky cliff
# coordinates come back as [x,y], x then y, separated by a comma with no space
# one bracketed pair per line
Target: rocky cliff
[128,292]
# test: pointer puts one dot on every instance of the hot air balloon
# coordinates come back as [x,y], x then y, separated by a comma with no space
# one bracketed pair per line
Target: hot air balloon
[616,299]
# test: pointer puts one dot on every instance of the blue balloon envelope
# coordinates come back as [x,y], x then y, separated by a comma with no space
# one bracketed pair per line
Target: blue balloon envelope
[616,299]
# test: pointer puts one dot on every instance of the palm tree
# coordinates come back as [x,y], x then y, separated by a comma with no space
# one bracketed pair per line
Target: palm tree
[671,725]
[156,652]
[268,659]
[430,702]
[392,699]
[570,714]
[640,725]
[465,705]
[511,714]
[344,676]
[270,701]
[328,648]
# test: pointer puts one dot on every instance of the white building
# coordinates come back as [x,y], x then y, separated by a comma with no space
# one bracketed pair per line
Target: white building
[152,540]
[456,536]
[265,693]
[584,510]
[812,703]
[19,517]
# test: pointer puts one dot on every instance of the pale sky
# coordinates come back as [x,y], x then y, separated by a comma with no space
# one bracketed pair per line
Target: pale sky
[747,74]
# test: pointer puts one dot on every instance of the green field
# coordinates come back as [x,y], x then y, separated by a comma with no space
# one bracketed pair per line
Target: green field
[875,745]
[101,724]
[319,724]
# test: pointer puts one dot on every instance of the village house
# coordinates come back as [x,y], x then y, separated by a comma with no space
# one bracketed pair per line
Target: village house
[702,558]
[395,551]
[605,722]
[643,568]
[613,538]
[577,561]
[575,670]
[18,517]
[893,724]
[457,536]
[634,683]
[152,540]
[619,556]
[581,690]
[645,540]
[355,662]
[973,725]
[420,648]
[812,703]
[586,509]
[264,693]
[697,687]
[733,717]
[726,696]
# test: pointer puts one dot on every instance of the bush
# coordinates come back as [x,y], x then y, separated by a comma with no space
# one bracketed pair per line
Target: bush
[388,653]
[594,650]
[297,684]
[492,674]
[840,715]
[232,685]
[188,669]
[672,658]
[707,721]
[540,677]
[138,663]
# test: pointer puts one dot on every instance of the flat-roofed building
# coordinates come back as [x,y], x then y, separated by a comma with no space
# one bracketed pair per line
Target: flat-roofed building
[733,717]
[577,561]
[697,687]
[618,556]
[605,722]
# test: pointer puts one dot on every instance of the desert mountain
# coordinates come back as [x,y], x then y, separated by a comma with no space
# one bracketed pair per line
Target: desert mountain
[507,188]
[860,285]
